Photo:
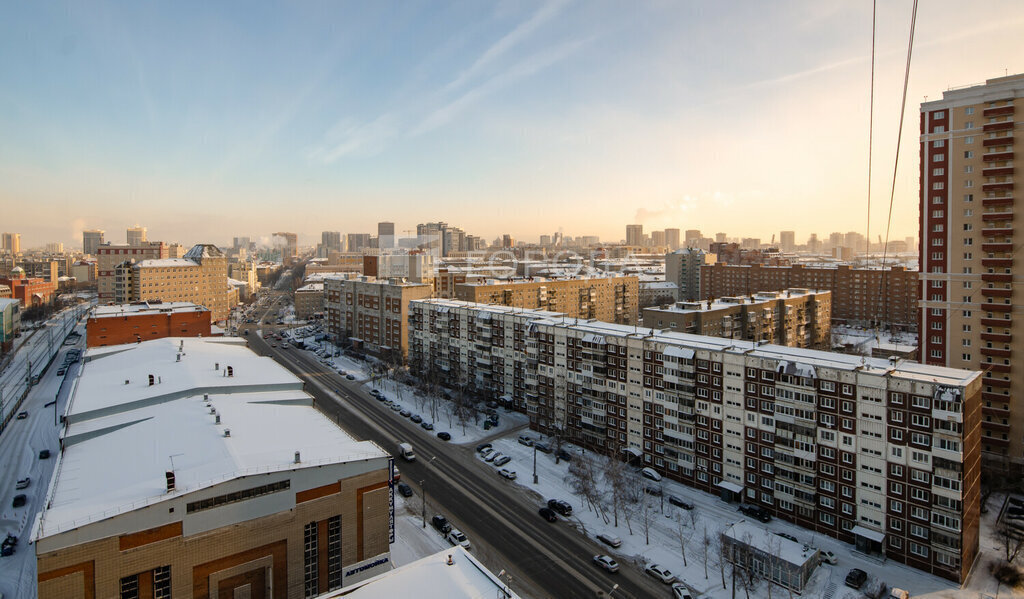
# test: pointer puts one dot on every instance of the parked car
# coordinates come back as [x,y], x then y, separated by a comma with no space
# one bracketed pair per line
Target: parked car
[502,460]
[405,490]
[488,453]
[606,562]
[492,456]
[653,490]
[756,512]
[827,557]
[856,578]
[787,536]
[23,483]
[350,377]
[444,436]
[680,502]
[681,591]
[441,523]
[524,440]
[542,447]
[650,473]
[44,454]
[509,474]
[564,456]
[416,418]
[548,514]
[660,572]
[61,371]
[455,537]
[560,506]
[480,448]
[610,540]
[405,413]
[395,407]
[19,500]
[22,415]
[427,426]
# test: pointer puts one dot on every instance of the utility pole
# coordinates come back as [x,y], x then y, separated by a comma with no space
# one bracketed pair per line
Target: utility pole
[423,490]
[535,463]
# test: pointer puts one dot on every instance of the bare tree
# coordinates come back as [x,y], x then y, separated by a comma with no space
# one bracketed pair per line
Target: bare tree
[1011,540]
[718,552]
[615,476]
[705,550]
[646,513]
[681,536]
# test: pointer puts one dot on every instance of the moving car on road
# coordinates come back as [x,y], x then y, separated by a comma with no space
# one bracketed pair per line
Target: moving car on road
[560,506]
[548,514]
[23,483]
[606,562]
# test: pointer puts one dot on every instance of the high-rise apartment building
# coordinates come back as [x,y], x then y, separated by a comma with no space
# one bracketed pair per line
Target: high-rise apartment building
[201,277]
[607,298]
[972,307]
[238,243]
[289,243]
[11,243]
[658,239]
[787,241]
[372,313]
[683,267]
[386,235]
[693,237]
[109,256]
[357,242]
[635,235]
[879,454]
[136,235]
[331,240]
[91,240]
[672,239]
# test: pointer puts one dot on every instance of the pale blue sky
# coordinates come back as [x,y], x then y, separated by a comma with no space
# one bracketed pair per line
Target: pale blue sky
[206,120]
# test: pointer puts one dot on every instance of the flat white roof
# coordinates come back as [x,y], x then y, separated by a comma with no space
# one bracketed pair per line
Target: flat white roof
[145,308]
[311,287]
[120,439]
[760,538]
[432,577]
[161,262]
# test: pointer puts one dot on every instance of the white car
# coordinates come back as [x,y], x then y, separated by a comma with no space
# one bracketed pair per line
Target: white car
[488,452]
[492,456]
[827,557]
[455,537]
[509,474]
[650,473]
[606,562]
[681,591]
[661,573]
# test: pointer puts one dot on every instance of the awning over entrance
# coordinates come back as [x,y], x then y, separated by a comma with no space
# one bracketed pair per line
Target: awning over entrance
[867,533]
[634,451]
[730,486]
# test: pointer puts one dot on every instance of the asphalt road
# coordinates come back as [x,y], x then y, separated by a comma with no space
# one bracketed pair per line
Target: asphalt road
[554,558]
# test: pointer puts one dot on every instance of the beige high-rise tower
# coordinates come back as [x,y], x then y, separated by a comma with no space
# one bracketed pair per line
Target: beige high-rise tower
[971,313]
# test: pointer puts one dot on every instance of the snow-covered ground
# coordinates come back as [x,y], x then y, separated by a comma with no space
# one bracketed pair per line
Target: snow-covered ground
[667,523]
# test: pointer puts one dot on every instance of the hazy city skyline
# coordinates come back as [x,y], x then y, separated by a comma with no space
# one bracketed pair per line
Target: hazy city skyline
[204,122]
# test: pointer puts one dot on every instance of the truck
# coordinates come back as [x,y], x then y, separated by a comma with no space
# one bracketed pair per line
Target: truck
[405,450]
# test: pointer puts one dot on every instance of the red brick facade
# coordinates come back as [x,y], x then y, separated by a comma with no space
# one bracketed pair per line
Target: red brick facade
[132,328]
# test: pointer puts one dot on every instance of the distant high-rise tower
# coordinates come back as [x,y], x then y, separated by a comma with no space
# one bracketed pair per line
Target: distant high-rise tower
[358,241]
[385,235]
[672,239]
[331,240]
[719,237]
[657,238]
[635,235]
[240,242]
[91,239]
[972,306]
[692,238]
[11,242]
[787,241]
[136,235]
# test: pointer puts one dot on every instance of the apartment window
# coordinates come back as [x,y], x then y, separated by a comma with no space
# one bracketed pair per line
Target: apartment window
[969,125]
[968,212]
[939,143]
[938,172]
[969,111]
[969,139]
[968,197]
[968,169]
[969,183]
[938,185]
[966,357]
[937,228]
[938,213]
[310,561]
[935,353]
[939,129]
[938,157]
[968,241]
[939,115]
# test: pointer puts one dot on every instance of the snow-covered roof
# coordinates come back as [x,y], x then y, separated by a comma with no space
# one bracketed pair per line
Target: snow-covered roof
[204,250]
[162,262]
[236,283]
[145,308]
[312,287]
[120,430]
[772,544]
[432,577]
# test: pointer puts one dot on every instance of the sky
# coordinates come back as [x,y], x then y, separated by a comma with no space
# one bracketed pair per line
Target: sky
[203,121]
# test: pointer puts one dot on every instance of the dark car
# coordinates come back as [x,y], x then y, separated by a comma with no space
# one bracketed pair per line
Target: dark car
[7,550]
[653,490]
[856,578]
[680,502]
[482,447]
[444,436]
[22,415]
[560,506]
[756,512]
[350,377]
[543,447]
[44,454]
[19,500]
[564,456]
[548,514]
[416,418]
[787,536]
[405,490]
[441,523]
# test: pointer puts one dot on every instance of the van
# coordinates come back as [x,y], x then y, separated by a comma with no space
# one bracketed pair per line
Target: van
[405,450]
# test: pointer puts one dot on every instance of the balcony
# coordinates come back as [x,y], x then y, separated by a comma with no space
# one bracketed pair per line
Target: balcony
[998,353]
[998,111]
[997,262]
[1001,186]
[998,141]
[998,232]
[1001,126]
[997,216]
[994,441]
[996,322]
[997,307]
[997,247]
[997,171]
[997,367]
[1006,200]
[997,412]
[1000,337]
[997,156]
[989,396]
[997,278]
[995,427]
[985,291]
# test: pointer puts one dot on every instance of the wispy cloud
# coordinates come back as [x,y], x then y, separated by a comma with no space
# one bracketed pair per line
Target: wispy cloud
[352,138]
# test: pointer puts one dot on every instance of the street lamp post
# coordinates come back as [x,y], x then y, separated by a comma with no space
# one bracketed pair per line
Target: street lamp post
[535,463]
[423,490]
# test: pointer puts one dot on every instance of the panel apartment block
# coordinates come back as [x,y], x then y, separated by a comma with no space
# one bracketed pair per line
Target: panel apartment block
[794,317]
[971,313]
[877,453]
[611,299]
[372,313]
[859,295]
